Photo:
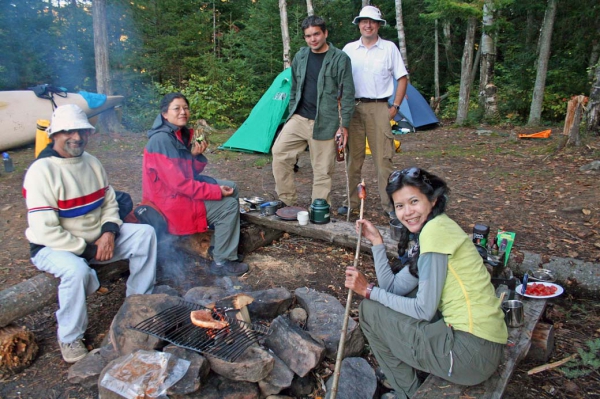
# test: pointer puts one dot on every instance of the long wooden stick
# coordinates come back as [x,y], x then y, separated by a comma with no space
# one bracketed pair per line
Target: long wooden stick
[340,352]
[339,102]
[549,366]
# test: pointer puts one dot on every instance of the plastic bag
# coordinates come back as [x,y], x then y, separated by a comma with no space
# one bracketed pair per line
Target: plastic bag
[145,374]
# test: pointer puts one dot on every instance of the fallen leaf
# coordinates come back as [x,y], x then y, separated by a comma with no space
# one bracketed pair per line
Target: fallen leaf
[586,211]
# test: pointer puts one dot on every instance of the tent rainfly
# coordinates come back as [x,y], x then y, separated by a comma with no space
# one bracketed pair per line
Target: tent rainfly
[415,110]
[257,132]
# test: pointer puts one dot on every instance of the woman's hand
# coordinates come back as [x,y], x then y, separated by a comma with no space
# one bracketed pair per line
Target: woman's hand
[369,231]
[356,281]
[199,148]
[226,191]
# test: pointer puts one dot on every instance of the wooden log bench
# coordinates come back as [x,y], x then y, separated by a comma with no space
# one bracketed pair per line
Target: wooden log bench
[519,342]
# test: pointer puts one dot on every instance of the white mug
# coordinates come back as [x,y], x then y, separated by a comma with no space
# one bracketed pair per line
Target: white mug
[302,218]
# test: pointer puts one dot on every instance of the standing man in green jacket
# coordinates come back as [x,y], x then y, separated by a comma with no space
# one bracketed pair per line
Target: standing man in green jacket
[318,72]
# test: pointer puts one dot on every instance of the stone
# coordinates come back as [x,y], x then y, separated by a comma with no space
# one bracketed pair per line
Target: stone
[253,365]
[301,386]
[298,316]
[86,371]
[219,387]
[297,348]
[325,320]
[594,165]
[357,380]
[270,303]
[279,378]
[205,295]
[196,374]
[134,310]
[165,289]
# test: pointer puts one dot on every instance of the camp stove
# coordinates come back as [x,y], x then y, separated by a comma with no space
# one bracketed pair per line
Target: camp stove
[175,326]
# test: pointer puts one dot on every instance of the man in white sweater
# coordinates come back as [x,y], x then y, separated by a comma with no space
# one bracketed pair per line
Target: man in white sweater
[73,219]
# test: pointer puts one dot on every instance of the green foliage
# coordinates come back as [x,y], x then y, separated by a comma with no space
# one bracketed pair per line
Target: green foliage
[588,362]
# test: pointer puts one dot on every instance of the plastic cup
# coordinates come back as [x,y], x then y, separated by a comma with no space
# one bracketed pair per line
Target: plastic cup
[302,218]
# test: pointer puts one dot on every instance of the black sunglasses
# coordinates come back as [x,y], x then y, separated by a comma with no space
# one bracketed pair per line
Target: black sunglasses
[413,173]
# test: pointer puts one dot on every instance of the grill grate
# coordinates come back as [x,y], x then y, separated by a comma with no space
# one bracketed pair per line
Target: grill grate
[174,325]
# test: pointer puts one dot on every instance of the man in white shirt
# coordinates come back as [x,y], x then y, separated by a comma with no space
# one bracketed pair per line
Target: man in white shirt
[376,63]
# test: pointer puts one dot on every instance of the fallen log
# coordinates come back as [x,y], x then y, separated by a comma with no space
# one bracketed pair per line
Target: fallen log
[17,349]
[33,294]
[542,343]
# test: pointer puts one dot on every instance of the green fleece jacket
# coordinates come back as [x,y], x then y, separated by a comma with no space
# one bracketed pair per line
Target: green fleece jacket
[336,70]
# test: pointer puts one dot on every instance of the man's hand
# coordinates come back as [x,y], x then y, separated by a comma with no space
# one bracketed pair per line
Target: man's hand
[106,247]
[342,133]
[392,111]
[226,191]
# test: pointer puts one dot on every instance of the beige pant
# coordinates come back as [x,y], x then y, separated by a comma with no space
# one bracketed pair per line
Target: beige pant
[291,142]
[370,121]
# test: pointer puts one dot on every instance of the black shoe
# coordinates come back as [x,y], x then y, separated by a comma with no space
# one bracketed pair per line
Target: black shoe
[343,211]
[228,268]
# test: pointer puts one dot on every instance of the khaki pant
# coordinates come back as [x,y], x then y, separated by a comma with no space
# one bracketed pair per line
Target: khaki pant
[402,344]
[292,141]
[370,121]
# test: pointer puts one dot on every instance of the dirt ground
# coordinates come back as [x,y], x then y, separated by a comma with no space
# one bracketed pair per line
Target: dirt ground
[522,186]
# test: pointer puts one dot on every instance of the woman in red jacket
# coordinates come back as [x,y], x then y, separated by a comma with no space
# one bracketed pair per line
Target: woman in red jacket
[190,201]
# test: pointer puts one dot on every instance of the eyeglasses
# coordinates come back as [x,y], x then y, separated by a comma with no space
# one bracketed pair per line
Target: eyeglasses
[178,109]
[413,173]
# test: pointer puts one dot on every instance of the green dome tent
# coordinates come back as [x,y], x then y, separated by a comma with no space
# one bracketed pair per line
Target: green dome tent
[257,132]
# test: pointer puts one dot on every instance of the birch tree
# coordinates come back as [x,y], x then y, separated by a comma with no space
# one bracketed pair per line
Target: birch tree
[107,120]
[400,29]
[465,72]
[309,8]
[285,33]
[487,89]
[537,100]
[592,116]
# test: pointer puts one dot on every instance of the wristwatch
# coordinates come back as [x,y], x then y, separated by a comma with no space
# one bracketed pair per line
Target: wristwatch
[396,106]
[369,289]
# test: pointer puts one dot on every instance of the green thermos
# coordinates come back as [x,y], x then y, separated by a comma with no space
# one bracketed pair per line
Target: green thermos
[319,211]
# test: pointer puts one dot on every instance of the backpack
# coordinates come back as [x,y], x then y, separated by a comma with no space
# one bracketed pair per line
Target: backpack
[147,213]
[47,92]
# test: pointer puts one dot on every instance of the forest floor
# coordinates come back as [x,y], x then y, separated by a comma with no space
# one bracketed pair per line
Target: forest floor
[522,186]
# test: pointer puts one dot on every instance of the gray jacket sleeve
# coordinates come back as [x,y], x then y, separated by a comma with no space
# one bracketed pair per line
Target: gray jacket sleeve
[392,289]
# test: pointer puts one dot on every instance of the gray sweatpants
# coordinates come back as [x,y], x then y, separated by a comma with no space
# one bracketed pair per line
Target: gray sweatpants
[136,242]
[403,344]
[224,215]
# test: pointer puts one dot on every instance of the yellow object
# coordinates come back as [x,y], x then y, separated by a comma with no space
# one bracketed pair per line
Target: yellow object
[397,145]
[539,135]
[41,137]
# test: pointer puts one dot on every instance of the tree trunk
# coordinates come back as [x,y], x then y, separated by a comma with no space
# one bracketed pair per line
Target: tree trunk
[309,8]
[573,120]
[594,54]
[401,35]
[535,112]
[448,43]
[365,3]
[436,63]
[107,120]
[465,73]
[487,89]
[285,34]
[593,110]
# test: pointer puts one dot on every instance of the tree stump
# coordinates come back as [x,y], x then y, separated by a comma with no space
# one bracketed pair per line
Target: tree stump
[17,349]
[542,343]
[573,119]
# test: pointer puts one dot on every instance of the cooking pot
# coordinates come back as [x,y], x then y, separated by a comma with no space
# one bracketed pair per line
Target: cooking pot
[319,211]
[270,208]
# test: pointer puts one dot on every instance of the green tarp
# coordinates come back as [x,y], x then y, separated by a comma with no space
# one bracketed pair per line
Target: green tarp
[257,132]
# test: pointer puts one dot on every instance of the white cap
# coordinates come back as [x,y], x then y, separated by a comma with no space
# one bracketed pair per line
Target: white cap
[370,12]
[68,117]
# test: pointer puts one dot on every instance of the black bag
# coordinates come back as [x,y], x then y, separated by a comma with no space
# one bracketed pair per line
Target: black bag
[146,214]
[48,91]
[125,203]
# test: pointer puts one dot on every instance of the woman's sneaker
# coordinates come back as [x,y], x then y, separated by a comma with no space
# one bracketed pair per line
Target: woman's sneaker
[228,268]
[73,352]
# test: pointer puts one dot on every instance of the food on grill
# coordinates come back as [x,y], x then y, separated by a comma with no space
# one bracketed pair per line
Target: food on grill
[234,306]
[362,190]
[203,318]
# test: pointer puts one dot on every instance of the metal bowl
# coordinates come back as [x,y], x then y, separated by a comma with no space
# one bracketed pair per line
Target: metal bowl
[255,200]
[543,275]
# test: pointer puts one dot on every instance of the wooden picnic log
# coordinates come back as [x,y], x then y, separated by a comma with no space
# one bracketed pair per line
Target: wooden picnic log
[542,343]
[33,294]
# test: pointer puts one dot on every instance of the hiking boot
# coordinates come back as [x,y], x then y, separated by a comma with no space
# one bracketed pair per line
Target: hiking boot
[228,268]
[343,210]
[73,351]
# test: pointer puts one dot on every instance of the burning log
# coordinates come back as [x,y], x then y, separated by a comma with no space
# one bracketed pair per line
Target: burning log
[237,303]
[17,349]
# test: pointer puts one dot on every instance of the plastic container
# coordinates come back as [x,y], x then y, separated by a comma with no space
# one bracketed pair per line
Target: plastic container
[41,137]
[302,218]
[8,163]
[395,228]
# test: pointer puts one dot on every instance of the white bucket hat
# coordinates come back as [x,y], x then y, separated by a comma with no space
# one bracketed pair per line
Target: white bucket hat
[68,117]
[370,12]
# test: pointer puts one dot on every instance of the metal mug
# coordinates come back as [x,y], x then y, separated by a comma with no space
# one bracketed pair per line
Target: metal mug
[514,313]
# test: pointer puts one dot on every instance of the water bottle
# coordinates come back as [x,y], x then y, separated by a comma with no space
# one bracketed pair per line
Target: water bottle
[8,163]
